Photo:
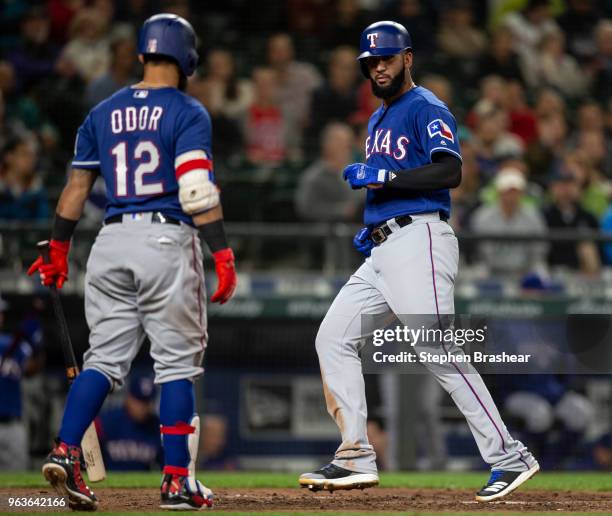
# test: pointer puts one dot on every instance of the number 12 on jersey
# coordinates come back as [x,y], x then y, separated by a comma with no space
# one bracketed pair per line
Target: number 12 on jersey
[147,156]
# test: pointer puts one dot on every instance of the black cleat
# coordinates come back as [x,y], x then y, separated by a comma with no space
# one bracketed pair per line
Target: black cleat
[502,483]
[331,478]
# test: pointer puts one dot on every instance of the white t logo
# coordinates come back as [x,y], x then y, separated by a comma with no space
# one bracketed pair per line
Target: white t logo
[373,37]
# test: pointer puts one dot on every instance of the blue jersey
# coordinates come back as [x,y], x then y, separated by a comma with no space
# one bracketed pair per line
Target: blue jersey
[14,354]
[128,445]
[141,139]
[405,135]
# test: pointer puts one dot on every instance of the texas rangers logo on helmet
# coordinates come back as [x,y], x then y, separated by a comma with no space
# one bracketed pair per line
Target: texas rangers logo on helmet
[373,37]
[151,46]
[439,128]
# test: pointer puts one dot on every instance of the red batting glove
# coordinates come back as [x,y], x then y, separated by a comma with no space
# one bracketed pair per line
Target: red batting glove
[226,276]
[56,271]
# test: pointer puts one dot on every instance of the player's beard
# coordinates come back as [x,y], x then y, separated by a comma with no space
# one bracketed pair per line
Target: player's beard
[394,87]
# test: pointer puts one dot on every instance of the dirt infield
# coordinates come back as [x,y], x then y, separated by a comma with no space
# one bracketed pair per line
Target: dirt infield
[379,499]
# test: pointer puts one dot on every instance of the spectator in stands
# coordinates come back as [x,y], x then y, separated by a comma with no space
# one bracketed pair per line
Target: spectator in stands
[412,15]
[493,142]
[16,361]
[18,108]
[465,196]
[266,126]
[590,118]
[530,25]
[509,216]
[577,23]
[228,94]
[63,101]
[61,14]
[551,66]
[228,140]
[602,67]
[492,96]
[322,194]
[592,143]
[295,81]
[35,56]
[88,48]
[501,59]
[129,434]
[336,99]
[549,102]
[8,127]
[22,194]
[120,74]
[565,212]
[522,117]
[596,190]
[440,86]
[547,149]
[457,35]
[347,22]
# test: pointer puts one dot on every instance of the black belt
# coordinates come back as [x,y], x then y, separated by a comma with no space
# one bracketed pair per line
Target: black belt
[381,233]
[156,218]
[8,419]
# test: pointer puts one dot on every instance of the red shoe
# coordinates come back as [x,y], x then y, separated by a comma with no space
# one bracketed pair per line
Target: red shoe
[180,493]
[62,469]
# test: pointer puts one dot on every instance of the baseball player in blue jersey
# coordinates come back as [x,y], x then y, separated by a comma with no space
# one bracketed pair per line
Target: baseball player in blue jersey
[412,159]
[152,145]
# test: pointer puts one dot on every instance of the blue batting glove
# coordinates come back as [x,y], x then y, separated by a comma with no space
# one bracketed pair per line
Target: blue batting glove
[359,175]
[362,241]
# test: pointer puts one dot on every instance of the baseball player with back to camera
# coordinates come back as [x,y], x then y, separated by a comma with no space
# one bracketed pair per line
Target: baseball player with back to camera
[152,144]
[412,159]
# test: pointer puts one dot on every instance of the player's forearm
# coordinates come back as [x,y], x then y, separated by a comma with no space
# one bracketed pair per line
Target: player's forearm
[71,203]
[444,172]
[75,193]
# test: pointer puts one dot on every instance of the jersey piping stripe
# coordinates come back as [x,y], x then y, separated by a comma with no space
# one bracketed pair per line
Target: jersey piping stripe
[195,164]
[445,149]
[85,162]
[433,278]
[198,293]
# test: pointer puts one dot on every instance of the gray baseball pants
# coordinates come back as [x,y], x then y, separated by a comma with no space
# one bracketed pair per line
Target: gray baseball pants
[412,272]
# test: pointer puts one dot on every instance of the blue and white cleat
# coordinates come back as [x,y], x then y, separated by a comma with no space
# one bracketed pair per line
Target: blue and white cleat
[502,483]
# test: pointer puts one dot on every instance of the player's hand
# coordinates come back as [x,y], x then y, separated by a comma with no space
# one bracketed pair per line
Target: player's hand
[360,175]
[226,276]
[362,241]
[56,271]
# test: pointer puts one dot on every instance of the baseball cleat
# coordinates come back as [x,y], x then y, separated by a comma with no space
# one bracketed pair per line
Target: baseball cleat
[180,493]
[62,469]
[332,478]
[502,483]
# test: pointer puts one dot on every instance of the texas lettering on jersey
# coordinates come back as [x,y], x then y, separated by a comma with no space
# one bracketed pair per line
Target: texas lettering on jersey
[383,142]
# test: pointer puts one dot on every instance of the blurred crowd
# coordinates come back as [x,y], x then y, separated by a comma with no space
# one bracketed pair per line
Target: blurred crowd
[528,81]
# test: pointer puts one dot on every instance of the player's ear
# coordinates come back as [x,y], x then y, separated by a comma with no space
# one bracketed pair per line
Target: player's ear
[408,59]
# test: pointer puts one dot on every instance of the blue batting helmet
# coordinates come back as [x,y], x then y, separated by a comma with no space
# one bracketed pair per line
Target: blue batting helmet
[383,38]
[171,36]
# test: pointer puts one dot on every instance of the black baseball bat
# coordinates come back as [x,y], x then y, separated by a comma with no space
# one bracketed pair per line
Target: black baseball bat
[72,369]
